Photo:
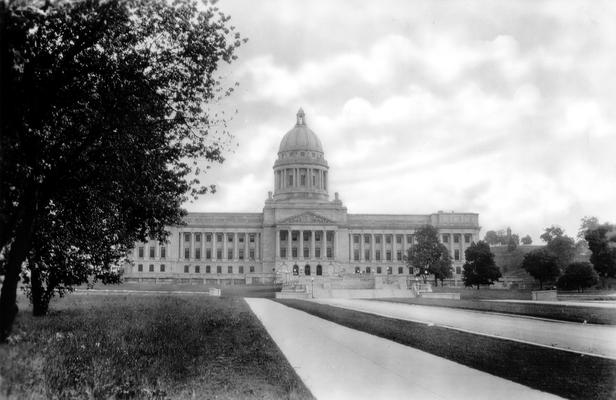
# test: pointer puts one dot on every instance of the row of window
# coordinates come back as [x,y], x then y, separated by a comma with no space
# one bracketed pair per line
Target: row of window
[219,254]
[219,237]
[409,238]
[388,254]
[197,269]
[329,253]
[284,236]
[456,237]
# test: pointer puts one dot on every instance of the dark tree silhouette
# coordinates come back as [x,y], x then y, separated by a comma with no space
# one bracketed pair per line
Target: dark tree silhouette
[479,268]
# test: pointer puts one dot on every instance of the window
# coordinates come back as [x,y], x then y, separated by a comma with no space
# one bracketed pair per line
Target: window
[302,180]
[187,252]
[389,271]
[208,269]
[197,269]
[388,255]
[317,252]
[252,254]
[329,252]
[241,267]
[458,270]
[252,268]
[290,180]
[399,255]
[219,254]
[219,237]
[306,236]
[456,238]
[208,254]
[366,254]
[230,238]
[388,239]
[208,238]
[356,255]
[197,237]
[241,238]
[399,239]
[151,267]
[186,269]
[241,254]
[229,254]
[198,254]
[445,238]
[357,270]
[294,252]
[152,252]
[400,270]
[367,239]
[163,252]
[218,269]
[306,252]
[230,269]
[140,267]
[378,270]
[187,237]
[377,239]
[294,236]
[368,270]
[317,236]
[283,252]
[409,239]
[162,267]
[252,238]
[377,255]
[467,238]
[356,239]
[141,252]
[456,255]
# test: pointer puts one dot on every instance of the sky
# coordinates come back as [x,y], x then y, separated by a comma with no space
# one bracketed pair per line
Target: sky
[506,109]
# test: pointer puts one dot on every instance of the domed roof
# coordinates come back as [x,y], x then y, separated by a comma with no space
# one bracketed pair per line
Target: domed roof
[300,137]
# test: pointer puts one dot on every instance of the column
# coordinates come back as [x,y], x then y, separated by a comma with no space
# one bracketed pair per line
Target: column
[224,245]
[277,245]
[300,251]
[323,244]
[350,246]
[180,243]
[361,247]
[247,246]
[382,247]
[393,248]
[235,246]
[213,247]
[289,244]
[312,244]
[372,244]
[258,246]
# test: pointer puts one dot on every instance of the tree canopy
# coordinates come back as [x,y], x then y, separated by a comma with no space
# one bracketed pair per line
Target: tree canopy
[578,276]
[559,245]
[107,121]
[429,255]
[602,243]
[542,265]
[479,268]
[527,240]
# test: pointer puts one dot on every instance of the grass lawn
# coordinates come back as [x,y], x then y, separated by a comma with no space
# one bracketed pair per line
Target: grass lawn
[486,294]
[559,372]
[145,347]
[592,315]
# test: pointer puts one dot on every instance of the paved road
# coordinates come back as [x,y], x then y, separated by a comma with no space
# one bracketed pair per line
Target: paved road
[336,362]
[573,303]
[591,339]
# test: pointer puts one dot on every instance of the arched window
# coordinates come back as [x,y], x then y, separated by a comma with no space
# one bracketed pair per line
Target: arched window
[295,270]
[307,269]
[319,270]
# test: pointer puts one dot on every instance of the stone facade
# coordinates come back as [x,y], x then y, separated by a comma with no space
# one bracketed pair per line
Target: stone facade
[299,233]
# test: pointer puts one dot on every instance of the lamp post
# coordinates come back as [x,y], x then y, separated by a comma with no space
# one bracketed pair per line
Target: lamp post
[312,290]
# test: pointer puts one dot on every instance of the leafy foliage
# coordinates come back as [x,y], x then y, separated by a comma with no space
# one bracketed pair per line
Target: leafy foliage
[527,240]
[109,116]
[479,268]
[602,242]
[429,255]
[542,265]
[578,276]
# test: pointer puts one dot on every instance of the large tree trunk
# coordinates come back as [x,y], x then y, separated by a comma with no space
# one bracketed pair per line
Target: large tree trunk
[40,295]
[435,281]
[15,258]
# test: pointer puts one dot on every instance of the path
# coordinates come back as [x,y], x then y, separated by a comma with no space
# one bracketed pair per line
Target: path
[598,340]
[336,362]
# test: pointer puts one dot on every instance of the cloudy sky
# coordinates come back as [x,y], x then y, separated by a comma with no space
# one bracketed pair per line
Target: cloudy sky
[507,109]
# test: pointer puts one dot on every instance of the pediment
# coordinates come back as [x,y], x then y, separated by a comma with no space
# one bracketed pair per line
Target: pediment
[306,218]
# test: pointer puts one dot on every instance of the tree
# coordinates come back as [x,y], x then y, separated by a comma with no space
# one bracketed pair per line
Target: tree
[551,233]
[560,245]
[603,256]
[527,240]
[106,106]
[428,255]
[479,268]
[542,265]
[578,276]
[587,223]
[491,237]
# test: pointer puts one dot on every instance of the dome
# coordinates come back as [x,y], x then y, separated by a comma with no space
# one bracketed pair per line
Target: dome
[300,137]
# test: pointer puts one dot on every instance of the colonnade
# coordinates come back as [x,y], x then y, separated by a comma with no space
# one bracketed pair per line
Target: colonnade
[314,178]
[230,249]
[325,247]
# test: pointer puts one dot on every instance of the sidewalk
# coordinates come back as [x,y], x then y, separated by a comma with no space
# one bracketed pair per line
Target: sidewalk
[336,362]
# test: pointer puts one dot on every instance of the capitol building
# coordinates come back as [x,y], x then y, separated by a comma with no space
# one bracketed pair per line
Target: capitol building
[301,232]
